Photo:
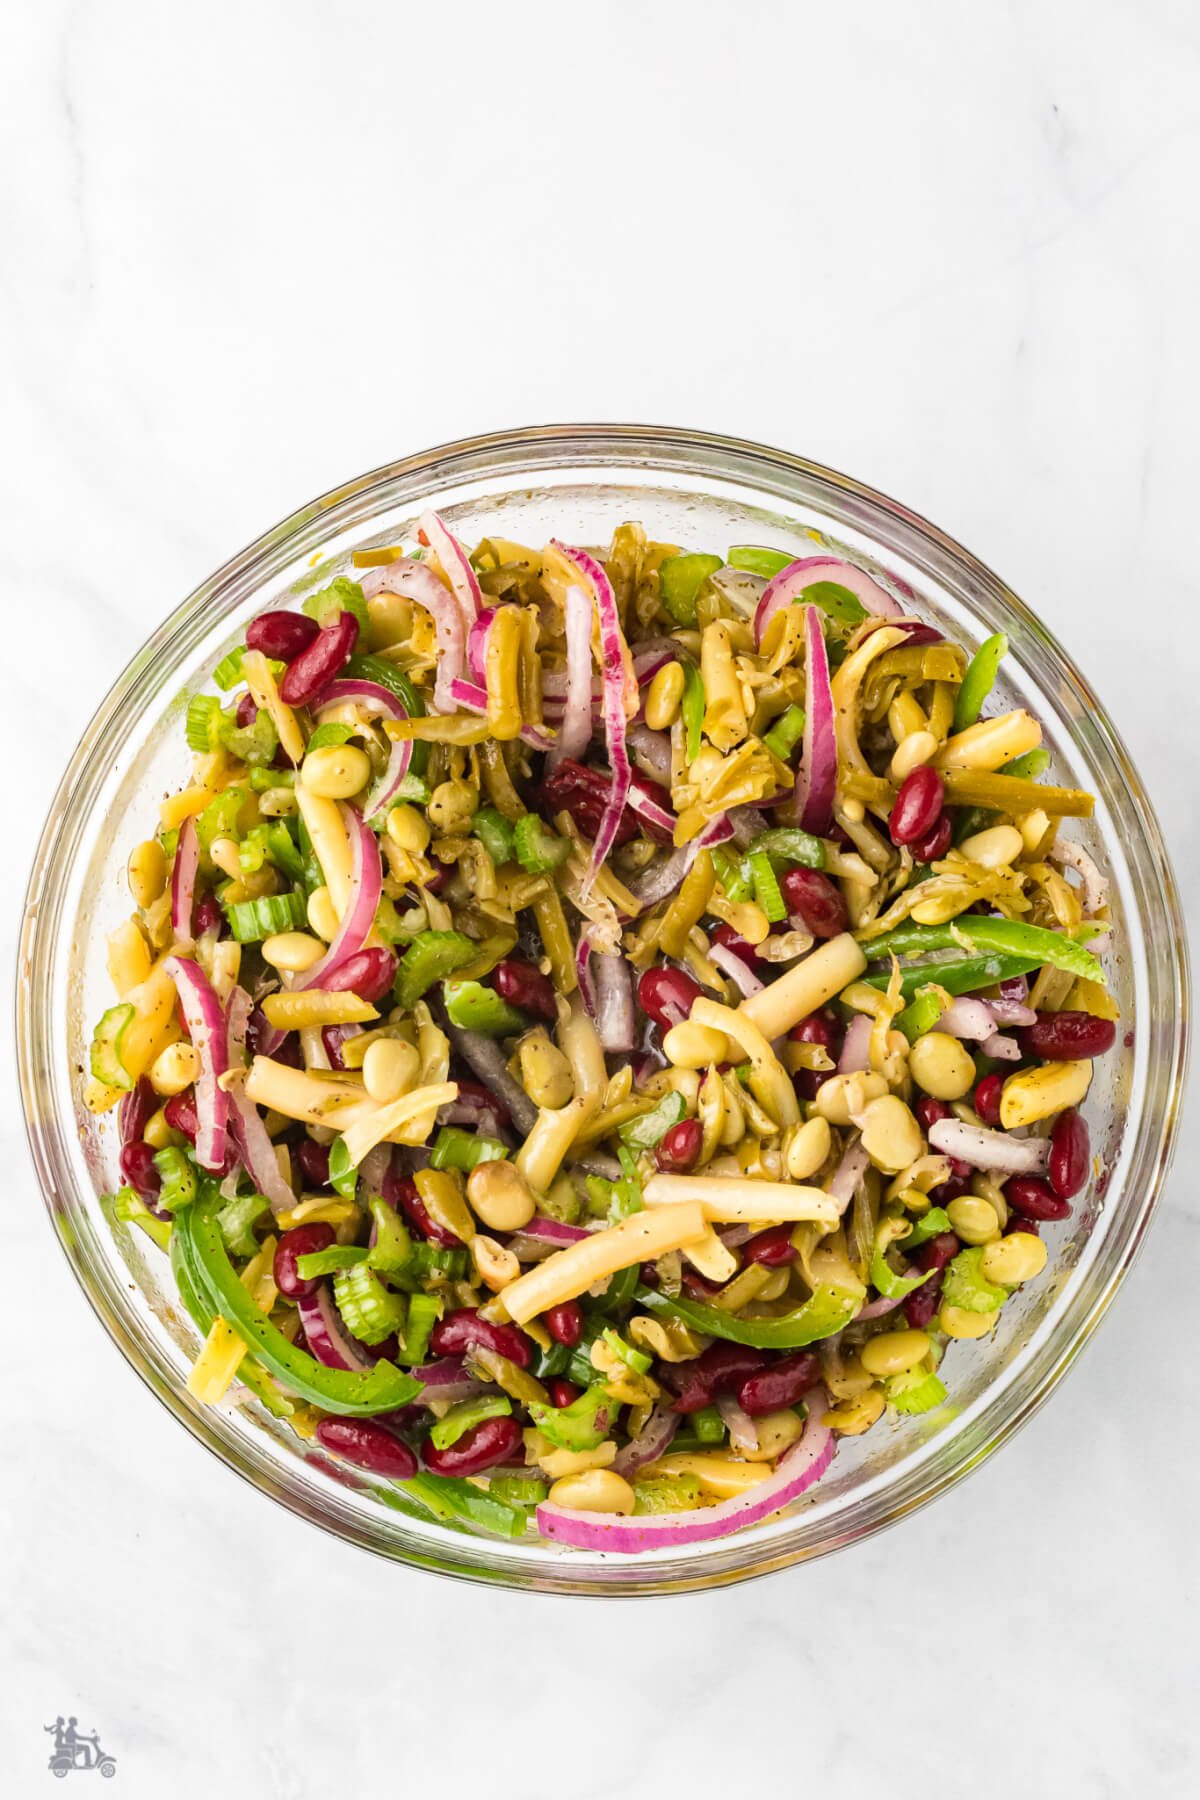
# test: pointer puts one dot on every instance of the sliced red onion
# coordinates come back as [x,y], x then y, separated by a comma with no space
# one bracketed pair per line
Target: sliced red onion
[847,1177]
[877,1309]
[647,663]
[454,561]
[414,580]
[816,778]
[746,823]
[554,1231]
[1011,1012]
[662,878]
[651,1442]
[740,973]
[856,1046]
[613,673]
[366,889]
[477,639]
[650,808]
[966,1018]
[791,582]
[743,1432]
[1095,888]
[326,1334]
[651,751]
[468,1109]
[733,1236]
[474,698]
[1002,1048]
[209,1033]
[985,1149]
[183,879]
[799,1468]
[741,588]
[377,699]
[373,1169]
[575,731]
[447,1382]
[246,1127]
[614,1003]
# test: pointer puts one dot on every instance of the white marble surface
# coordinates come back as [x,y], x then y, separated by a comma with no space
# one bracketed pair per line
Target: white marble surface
[252,249]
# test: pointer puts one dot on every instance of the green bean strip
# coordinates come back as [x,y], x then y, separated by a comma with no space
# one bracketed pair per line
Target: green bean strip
[828,1309]
[979,680]
[1004,937]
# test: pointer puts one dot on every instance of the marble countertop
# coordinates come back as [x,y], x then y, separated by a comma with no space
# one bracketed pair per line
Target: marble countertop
[252,250]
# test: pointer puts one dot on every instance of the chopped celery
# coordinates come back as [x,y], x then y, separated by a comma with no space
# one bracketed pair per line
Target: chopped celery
[966,1285]
[343,1175]
[371,1311]
[495,834]
[680,579]
[178,1175]
[517,1490]
[228,671]
[785,733]
[252,920]
[539,850]
[202,727]
[756,559]
[342,595]
[692,709]
[237,1219]
[667,1494]
[424,1311]
[916,1391]
[262,779]
[431,956]
[730,875]
[454,1148]
[582,1425]
[465,1415]
[473,1007]
[255,743]
[129,1207]
[329,1261]
[220,817]
[766,886]
[645,1132]
[104,1057]
[271,843]
[707,1425]
[392,1248]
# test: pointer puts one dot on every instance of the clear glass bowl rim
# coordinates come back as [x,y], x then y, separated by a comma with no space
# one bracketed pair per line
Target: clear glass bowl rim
[778,476]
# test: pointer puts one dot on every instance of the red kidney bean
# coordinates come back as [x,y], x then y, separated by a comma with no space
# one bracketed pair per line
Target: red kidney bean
[584,793]
[522,985]
[400,1192]
[935,843]
[369,1445]
[562,1392]
[667,995]
[720,1370]
[772,1248]
[1070,1154]
[956,1183]
[930,1111]
[207,915]
[247,711]
[458,1331]
[919,633]
[1068,1036]
[1034,1198]
[137,1167]
[314,1161]
[333,1037]
[819,1028]
[180,1113]
[938,1251]
[1018,1222]
[987,1098]
[922,1304]
[564,1322]
[781,1384]
[281,635]
[732,940]
[301,1240]
[368,973]
[324,658]
[697,1286]
[816,901]
[490,1442]
[918,806]
[679,1147]
[135,1110]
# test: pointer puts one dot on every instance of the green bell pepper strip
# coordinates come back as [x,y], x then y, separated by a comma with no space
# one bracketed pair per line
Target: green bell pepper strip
[791,845]
[916,1391]
[650,1130]
[539,850]
[473,1007]
[836,601]
[680,579]
[756,559]
[454,1148]
[519,1490]
[785,733]
[1029,766]
[691,709]
[325,735]
[424,1311]
[766,886]
[995,937]
[350,1393]
[251,921]
[202,1316]
[551,1362]
[965,1284]
[262,779]
[888,1281]
[343,1175]
[919,1017]
[465,1415]
[827,1310]
[128,1208]
[707,1425]
[447,1497]
[979,680]
[931,1224]
[674,1493]
[330,1261]
[104,1057]
[582,1425]
[637,1360]
[387,675]
[495,833]
[431,956]
[342,595]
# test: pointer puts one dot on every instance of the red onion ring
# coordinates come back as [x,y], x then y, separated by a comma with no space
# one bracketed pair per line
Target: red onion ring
[209,1033]
[791,582]
[414,580]
[183,879]
[371,694]
[816,778]
[985,1149]
[575,731]
[455,563]
[246,1127]
[613,675]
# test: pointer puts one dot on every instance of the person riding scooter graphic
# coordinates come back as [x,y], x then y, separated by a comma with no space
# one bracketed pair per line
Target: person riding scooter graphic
[77,1750]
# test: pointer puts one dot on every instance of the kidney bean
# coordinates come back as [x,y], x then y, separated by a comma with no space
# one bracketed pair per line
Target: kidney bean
[772,1248]
[457,1332]
[780,1384]
[475,1091]
[247,711]
[490,1442]
[935,843]
[816,901]
[956,1183]
[562,1392]
[135,1110]
[930,1111]
[207,916]
[318,664]
[732,940]
[1069,1036]
[679,1147]
[938,1251]
[400,1192]
[987,1098]
[180,1113]
[368,973]
[333,1037]
[919,633]
[522,985]
[918,806]
[819,1028]
[720,1370]
[314,1161]
[921,1305]
[369,1445]
[697,1286]
[1034,1198]
[1018,1222]
[584,793]
[301,1240]
[667,995]
[137,1168]
[1070,1154]
[281,635]
[564,1322]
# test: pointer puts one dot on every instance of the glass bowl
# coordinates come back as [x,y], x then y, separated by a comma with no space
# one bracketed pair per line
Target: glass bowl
[578,482]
